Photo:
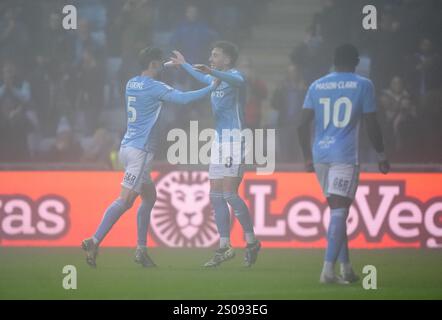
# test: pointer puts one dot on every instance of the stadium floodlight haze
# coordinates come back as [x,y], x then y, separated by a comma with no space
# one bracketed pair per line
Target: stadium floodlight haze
[220,155]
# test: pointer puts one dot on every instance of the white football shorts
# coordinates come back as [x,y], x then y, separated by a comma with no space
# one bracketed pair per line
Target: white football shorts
[338,178]
[137,166]
[226,159]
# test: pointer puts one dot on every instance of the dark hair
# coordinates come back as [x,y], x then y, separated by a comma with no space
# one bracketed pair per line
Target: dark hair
[149,54]
[346,56]
[228,48]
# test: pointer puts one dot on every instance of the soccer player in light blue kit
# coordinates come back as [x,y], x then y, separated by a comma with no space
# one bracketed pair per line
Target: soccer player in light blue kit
[338,103]
[227,152]
[144,97]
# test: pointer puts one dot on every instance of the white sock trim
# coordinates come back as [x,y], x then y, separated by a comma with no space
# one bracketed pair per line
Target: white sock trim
[346,268]
[328,268]
[224,242]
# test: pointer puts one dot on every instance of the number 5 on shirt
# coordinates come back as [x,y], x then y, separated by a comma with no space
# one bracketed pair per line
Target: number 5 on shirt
[132,110]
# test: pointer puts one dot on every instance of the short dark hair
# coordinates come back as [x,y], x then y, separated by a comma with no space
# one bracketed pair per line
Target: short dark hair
[346,55]
[149,54]
[230,49]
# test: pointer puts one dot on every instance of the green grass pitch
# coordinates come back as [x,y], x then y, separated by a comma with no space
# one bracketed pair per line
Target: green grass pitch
[36,273]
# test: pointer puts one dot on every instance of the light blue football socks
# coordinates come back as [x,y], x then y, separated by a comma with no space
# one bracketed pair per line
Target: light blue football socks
[143,219]
[242,213]
[111,215]
[219,201]
[222,217]
[337,234]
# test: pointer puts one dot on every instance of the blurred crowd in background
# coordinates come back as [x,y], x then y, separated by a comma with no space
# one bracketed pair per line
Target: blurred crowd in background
[403,58]
[61,89]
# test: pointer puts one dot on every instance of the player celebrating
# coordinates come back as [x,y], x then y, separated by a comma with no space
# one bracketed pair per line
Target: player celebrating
[338,102]
[225,170]
[144,97]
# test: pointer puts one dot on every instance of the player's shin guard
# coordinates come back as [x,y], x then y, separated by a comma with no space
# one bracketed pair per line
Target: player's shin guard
[112,214]
[336,234]
[222,216]
[242,213]
[143,219]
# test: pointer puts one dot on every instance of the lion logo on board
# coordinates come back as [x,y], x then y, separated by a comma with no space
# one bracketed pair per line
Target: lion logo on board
[182,216]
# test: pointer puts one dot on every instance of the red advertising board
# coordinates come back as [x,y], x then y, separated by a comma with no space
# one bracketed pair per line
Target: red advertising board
[288,209]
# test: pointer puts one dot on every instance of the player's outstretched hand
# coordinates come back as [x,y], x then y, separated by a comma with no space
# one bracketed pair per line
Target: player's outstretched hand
[177,60]
[309,166]
[384,166]
[202,68]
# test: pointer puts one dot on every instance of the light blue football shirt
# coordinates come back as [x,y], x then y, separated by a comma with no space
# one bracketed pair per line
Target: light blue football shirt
[228,103]
[339,101]
[143,103]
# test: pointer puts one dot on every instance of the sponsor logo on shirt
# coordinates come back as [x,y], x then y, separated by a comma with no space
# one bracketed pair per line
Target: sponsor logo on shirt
[326,142]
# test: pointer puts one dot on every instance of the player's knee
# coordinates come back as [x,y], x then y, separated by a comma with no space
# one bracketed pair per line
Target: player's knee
[149,193]
[127,202]
[336,202]
[216,186]
[231,185]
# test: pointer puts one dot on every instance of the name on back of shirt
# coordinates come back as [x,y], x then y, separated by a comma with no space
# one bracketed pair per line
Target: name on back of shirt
[336,85]
[135,85]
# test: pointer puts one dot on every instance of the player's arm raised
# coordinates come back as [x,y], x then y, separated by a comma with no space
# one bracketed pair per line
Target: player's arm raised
[179,60]
[307,116]
[234,79]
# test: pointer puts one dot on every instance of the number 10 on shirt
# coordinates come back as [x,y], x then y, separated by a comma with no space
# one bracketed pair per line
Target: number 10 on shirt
[341,102]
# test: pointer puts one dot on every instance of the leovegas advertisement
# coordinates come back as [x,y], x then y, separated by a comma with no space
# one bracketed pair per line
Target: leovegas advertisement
[288,209]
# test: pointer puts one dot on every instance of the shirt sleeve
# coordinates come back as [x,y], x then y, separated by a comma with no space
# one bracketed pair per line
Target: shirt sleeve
[179,97]
[308,101]
[201,77]
[234,77]
[160,89]
[368,99]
